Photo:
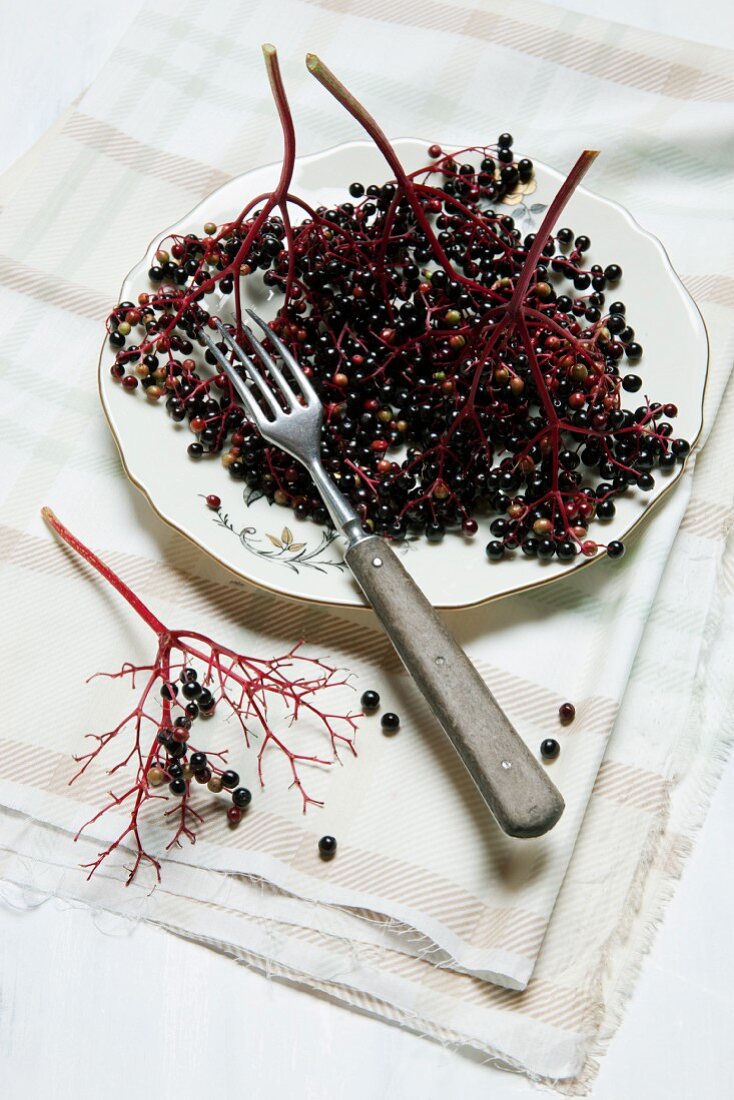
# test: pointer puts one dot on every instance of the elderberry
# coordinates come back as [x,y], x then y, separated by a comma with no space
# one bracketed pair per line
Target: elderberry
[370,700]
[390,722]
[549,748]
[327,847]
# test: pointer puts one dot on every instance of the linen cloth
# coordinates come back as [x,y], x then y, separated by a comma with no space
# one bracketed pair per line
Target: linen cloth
[424,900]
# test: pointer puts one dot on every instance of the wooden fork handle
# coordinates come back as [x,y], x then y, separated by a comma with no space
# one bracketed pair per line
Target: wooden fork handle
[510,779]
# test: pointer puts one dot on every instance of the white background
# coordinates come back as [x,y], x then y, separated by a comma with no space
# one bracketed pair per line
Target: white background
[89,1009]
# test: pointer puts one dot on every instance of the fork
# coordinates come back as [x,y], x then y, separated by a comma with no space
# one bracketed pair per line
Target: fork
[513,784]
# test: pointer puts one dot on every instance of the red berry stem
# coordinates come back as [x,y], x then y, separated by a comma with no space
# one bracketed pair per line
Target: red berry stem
[341,93]
[109,575]
[243,684]
[552,214]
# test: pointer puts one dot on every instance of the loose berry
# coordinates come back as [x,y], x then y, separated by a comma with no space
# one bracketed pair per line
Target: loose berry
[549,748]
[327,847]
[370,700]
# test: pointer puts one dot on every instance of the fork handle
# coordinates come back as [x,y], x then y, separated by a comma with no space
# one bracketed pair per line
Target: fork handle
[511,781]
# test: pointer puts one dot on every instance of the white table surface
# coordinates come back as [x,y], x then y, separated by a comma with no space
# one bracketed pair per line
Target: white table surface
[90,1008]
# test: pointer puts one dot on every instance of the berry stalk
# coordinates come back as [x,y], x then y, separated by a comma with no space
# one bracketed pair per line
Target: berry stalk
[189,677]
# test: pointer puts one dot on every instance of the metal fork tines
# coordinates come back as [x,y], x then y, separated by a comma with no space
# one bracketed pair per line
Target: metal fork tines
[287,419]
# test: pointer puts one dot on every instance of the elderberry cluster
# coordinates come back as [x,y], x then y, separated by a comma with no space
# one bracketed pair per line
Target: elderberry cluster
[438,408]
[177,764]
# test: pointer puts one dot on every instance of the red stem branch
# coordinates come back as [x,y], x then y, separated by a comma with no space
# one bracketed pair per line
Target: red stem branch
[89,556]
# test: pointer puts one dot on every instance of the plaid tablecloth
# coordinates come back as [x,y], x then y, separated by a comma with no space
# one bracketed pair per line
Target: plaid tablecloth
[388,926]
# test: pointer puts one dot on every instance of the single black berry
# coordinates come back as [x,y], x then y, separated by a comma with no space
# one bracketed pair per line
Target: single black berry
[370,700]
[241,797]
[230,779]
[390,721]
[495,550]
[327,847]
[549,749]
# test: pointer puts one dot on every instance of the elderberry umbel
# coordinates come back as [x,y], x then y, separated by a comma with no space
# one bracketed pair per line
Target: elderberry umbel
[465,367]
[163,764]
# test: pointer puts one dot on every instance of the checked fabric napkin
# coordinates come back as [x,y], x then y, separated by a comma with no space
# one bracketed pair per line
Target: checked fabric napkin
[429,917]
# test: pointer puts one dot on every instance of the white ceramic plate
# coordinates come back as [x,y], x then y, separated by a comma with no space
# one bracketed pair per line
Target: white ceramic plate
[266,544]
